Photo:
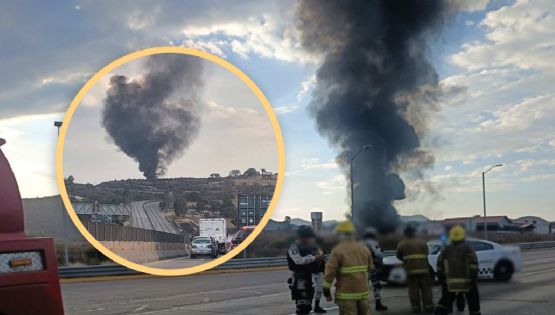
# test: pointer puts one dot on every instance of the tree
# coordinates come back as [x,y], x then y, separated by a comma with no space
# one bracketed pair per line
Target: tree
[234,173]
[180,203]
[168,201]
[214,175]
[251,172]
[69,181]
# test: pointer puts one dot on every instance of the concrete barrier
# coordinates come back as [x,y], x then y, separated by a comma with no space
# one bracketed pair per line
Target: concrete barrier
[145,252]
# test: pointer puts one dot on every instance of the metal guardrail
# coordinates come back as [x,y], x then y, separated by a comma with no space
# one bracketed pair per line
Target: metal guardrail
[116,270]
[534,245]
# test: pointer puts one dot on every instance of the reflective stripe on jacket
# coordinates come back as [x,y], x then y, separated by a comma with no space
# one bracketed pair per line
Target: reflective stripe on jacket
[349,264]
[413,253]
[458,264]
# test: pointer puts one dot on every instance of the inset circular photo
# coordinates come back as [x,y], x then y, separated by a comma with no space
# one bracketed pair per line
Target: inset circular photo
[170,161]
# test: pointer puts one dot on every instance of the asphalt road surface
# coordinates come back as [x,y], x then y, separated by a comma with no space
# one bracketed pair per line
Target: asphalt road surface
[147,215]
[531,292]
[180,262]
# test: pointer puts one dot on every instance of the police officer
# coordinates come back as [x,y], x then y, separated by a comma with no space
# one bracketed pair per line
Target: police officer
[348,265]
[457,268]
[413,252]
[301,260]
[371,242]
[317,276]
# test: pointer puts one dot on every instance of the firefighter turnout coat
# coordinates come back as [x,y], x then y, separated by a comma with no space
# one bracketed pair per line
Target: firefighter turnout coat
[349,264]
[413,252]
[457,265]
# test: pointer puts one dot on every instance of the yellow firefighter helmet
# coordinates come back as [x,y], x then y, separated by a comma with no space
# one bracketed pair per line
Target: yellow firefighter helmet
[457,233]
[345,227]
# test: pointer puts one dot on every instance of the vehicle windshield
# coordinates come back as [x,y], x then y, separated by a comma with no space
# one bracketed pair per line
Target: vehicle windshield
[241,235]
[201,241]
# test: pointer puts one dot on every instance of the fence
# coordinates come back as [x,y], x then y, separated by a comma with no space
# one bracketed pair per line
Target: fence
[113,232]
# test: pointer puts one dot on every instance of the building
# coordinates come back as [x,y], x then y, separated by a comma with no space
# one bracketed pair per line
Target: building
[476,223]
[540,226]
[251,208]
[316,218]
[494,223]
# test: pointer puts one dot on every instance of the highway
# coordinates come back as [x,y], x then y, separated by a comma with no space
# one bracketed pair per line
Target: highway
[531,292]
[147,215]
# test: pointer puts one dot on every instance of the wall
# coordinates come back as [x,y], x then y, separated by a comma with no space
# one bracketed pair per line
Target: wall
[145,252]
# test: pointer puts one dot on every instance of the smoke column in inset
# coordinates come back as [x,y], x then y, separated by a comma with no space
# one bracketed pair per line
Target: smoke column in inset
[374,60]
[145,120]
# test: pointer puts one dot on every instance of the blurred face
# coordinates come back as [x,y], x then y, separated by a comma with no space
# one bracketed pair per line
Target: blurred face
[307,241]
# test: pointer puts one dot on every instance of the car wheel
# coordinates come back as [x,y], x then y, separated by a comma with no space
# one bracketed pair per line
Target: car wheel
[503,271]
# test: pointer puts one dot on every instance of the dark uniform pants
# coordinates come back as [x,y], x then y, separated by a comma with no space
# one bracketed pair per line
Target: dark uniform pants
[353,307]
[375,278]
[420,292]
[460,301]
[472,297]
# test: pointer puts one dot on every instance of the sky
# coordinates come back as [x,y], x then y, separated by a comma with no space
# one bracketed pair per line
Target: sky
[234,132]
[499,53]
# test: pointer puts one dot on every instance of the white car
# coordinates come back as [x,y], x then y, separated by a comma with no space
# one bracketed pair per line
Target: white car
[495,261]
[204,245]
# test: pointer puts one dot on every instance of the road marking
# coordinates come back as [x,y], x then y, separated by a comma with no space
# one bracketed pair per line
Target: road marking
[138,309]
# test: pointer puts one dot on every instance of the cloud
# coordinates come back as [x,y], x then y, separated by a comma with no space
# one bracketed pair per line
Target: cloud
[522,115]
[306,86]
[520,35]
[508,76]
[335,184]
[265,36]
[45,70]
[281,110]
[315,163]
[469,5]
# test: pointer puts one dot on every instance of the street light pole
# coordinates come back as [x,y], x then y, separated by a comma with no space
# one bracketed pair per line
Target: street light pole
[484,197]
[363,148]
[58,124]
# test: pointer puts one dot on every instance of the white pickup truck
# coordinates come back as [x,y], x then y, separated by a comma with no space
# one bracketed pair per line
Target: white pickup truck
[495,261]
[216,229]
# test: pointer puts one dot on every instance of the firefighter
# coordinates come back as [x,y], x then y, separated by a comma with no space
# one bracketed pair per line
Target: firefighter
[413,252]
[301,260]
[371,242]
[457,268]
[460,301]
[348,265]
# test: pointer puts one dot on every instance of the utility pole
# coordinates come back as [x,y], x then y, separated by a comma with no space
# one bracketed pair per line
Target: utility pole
[58,124]
[484,198]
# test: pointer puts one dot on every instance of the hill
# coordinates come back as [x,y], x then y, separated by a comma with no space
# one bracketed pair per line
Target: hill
[213,196]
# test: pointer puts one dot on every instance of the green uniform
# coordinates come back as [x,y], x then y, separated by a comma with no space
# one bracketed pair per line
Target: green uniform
[413,252]
[457,267]
[349,264]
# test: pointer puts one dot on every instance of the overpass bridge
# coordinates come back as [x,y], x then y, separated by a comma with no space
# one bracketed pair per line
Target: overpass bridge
[141,214]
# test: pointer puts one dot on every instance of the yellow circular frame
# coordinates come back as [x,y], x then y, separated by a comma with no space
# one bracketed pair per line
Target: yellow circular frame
[169,50]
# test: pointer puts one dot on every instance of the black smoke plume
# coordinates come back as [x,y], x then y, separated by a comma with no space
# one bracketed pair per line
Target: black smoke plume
[144,118]
[374,63]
